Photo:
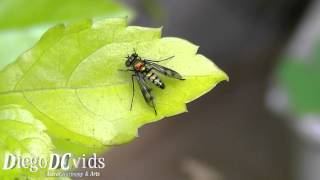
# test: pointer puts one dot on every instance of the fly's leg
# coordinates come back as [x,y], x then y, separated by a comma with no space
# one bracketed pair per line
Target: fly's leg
[132,80]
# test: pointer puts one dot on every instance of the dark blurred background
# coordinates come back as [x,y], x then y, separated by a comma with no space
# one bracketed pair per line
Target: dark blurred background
[229,134]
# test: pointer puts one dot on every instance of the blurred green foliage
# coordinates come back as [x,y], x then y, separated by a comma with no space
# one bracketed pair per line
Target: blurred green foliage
[301,78]
[23,22]
[23,135]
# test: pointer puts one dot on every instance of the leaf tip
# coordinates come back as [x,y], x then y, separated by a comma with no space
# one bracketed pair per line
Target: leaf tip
[225,77]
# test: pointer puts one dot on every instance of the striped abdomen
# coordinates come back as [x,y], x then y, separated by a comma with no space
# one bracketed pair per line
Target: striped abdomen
[154,78]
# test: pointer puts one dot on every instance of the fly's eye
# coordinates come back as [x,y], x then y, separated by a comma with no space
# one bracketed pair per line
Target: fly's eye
[128,63]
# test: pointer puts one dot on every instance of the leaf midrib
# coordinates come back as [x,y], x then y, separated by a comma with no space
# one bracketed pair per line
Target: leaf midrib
[80,87]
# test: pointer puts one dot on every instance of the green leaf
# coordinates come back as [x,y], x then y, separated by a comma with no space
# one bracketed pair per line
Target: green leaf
[70,80]
[300,77]
[22,135]
[23,22]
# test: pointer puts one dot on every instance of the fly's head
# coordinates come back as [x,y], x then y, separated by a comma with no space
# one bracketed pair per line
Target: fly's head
[131,59]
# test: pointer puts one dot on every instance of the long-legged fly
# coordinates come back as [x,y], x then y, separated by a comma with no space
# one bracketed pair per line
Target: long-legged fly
[145,70]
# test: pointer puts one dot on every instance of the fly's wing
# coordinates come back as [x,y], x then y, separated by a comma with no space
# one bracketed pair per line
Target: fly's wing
[163,70]
[145,90]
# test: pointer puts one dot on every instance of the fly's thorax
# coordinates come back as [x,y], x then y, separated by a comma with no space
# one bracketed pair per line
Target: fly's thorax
[139,66]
